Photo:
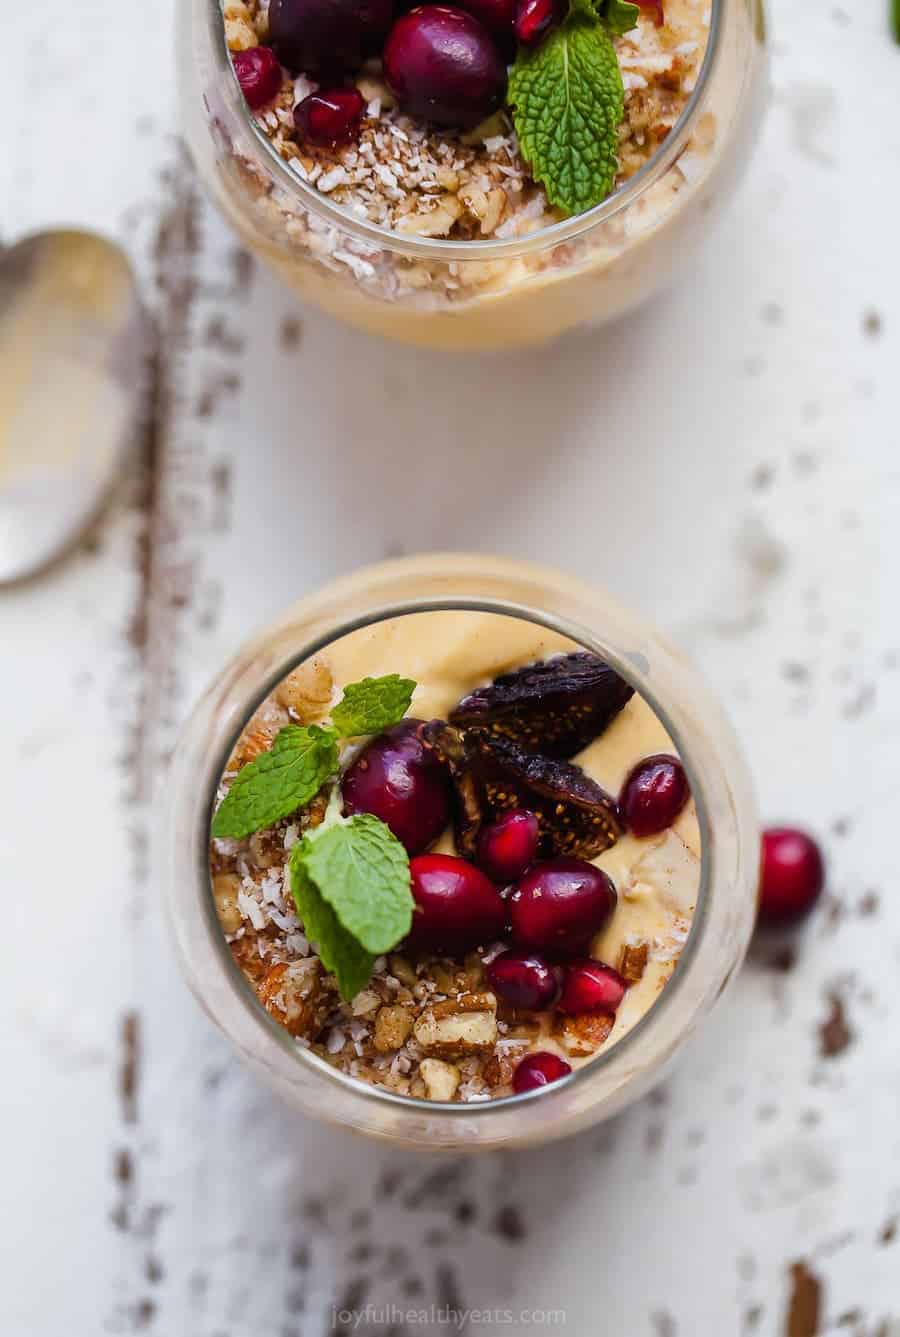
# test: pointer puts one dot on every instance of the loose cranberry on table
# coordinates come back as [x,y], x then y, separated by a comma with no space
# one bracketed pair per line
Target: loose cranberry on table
[328,37]
[653,795]
[259,75]
[443,65]
[523,979]
[590,986]
[792,875]
[540,1069]
[535,18]
[398,780]
[559,905]
[508,847]
[330,118]
[457,907]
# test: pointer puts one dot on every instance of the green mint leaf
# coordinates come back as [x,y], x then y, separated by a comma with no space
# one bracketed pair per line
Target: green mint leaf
[568,101]
[895,19]
[362,871]
[339,951]
[373,705]
[619,15]
[277,782]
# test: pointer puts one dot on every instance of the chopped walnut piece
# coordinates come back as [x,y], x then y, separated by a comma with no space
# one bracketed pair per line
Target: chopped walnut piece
[441,1079]
[365,1003]
[392,1027]
[633,962]
[437,223]
[292,993]
[458,1026]
[225,893]
[307,691]
[239,29]
[499,1069]
[403,971]
[584,1034]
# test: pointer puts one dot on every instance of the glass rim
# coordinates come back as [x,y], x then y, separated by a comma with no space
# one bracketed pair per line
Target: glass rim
[437,248]
[699,922]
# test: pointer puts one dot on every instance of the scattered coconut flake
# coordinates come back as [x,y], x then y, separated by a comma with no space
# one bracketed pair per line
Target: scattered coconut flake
[291,836]
[336,1040]
[250,909]
[337,176]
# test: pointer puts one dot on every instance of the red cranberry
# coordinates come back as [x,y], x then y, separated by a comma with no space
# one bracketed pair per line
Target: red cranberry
[397,779]
[508,848]
[259,75]
[793,874]
[535,18]
[330,118]
[559,905]
[458,908]
[524,980]
[653,795]
[328,37]
[590,986]
[443,65]
[539,1069]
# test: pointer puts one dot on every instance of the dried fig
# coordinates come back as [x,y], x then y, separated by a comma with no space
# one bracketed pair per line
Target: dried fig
[555,707]
[492,775]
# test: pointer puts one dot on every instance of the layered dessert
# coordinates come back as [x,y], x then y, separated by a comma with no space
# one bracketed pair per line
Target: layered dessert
[433,173]
[455,856]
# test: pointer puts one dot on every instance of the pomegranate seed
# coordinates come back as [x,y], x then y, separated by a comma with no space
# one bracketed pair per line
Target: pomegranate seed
[328,37]
[397,779]
[539,1069]
[507,849]
[559,905]
[259,75]
[327,119]
[523,981]
[535,18]
[590,986]
[793,874]
[656,6]
[498,16]
[457,907]
[653,795]
[443,65]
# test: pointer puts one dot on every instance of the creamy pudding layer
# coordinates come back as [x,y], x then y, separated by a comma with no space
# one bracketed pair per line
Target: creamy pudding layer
[427,1024]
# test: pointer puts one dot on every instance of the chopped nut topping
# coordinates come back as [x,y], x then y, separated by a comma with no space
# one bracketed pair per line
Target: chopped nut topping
[392,1028]
[583,1035]
[633,962]
[307,692]
[292,994]
[225,893]
[441,1079]
[457,1027]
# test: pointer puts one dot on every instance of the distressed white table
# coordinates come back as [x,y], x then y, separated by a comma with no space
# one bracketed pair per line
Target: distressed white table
[748,503]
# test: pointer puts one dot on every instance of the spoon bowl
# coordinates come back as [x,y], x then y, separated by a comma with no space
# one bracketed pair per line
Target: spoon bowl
[72,356]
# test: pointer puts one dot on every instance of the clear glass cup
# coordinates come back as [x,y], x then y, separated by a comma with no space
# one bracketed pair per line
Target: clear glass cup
[725,807]
[479,294]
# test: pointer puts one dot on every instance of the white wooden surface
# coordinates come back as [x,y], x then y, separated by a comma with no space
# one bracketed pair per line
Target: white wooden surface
[727,460]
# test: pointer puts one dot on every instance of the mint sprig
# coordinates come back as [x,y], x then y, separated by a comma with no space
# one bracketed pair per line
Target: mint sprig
[303,758]
[339,951]
[351,885]
[373,705]
[619,15]
[567,101]
[277,782]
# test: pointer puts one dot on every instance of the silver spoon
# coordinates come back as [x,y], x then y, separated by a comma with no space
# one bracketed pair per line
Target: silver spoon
[72,346]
